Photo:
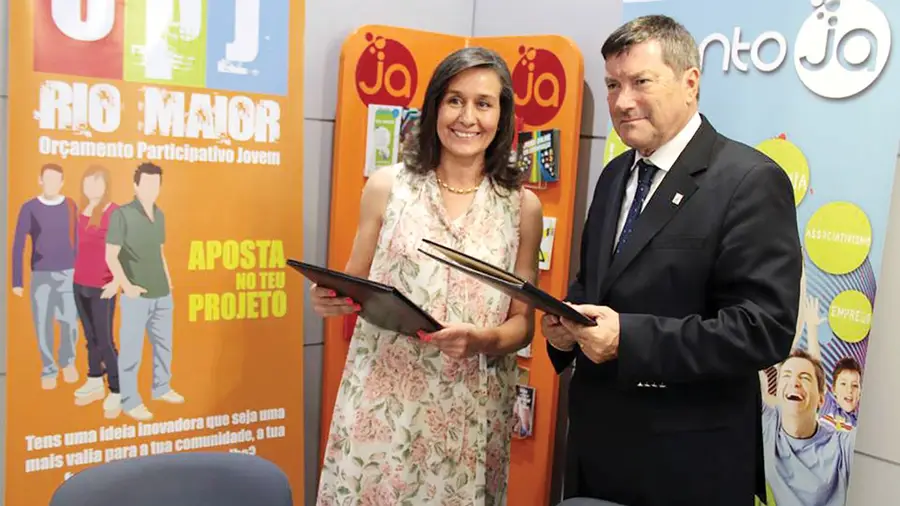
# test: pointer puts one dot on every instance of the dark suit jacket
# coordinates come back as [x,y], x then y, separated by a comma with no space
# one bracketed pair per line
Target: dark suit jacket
[707,290]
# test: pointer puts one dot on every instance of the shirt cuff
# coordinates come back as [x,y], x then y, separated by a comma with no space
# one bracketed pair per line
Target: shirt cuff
[571,348]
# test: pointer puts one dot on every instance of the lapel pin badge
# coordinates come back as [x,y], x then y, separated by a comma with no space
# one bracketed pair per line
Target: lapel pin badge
[677,198]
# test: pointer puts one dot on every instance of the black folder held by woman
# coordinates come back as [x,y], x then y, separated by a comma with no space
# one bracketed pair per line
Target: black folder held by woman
[381,305]
[506,282]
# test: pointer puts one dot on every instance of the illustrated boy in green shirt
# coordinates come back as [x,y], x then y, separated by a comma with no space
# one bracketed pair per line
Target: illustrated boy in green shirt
[134,252]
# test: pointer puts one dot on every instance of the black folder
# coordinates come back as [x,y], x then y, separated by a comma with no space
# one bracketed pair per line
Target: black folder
[382,305]
[507,282]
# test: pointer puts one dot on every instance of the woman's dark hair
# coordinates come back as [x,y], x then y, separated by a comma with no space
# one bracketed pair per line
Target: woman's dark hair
[422,148]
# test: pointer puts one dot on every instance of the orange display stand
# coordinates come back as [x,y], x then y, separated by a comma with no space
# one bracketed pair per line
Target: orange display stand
[392,66]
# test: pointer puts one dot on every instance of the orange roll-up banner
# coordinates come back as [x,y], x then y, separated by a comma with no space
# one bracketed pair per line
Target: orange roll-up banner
[387,65]
[155,184]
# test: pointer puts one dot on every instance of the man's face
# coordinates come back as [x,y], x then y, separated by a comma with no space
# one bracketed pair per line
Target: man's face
[147,190]
[648,102]
[798,389]
[846,390]
[51,182]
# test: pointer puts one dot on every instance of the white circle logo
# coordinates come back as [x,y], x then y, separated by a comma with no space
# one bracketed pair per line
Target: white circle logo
[842,47]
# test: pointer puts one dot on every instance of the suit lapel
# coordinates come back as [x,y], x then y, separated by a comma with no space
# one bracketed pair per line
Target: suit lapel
[611,220]
[672,194]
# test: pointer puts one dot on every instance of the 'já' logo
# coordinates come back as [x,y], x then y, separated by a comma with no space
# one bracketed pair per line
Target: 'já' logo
[386,73]
[842,47]
[840,50]
[539,81]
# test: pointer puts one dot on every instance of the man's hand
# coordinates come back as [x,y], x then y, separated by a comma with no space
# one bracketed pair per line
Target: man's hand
[18,291]
[601,343]
[133,291]
[556,334]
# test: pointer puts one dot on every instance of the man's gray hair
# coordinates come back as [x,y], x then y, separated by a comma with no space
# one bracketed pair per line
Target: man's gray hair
[679,49]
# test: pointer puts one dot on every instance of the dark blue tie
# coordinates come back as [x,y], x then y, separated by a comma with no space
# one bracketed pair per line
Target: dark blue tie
[645,175]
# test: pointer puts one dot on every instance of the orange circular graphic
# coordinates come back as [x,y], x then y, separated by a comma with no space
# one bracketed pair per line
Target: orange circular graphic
[386,73]
[539,81]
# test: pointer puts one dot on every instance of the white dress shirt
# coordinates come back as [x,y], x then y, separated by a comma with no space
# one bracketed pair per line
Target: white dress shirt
[663,158]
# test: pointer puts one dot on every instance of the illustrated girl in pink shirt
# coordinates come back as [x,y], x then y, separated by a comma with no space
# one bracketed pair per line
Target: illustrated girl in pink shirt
[95,295]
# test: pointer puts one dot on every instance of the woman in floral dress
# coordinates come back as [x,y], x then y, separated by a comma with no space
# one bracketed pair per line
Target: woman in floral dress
[427,419]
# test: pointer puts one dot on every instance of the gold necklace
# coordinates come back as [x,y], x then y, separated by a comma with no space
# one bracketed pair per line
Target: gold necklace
[456,190]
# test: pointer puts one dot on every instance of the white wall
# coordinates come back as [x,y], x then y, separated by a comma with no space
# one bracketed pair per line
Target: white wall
[876,475]
[875,478]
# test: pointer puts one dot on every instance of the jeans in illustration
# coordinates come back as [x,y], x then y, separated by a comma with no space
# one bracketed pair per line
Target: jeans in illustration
[138,315]
[53,300]
[96,315]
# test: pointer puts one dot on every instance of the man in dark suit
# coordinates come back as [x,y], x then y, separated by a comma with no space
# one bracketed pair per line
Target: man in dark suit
[690,264]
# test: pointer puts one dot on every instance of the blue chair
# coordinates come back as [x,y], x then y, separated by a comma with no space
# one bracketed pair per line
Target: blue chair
[183,479]
[587,501]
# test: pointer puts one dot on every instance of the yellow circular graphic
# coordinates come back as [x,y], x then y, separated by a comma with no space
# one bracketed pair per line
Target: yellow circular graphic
[838,237]
[789,157]
[850,316]
[614,146]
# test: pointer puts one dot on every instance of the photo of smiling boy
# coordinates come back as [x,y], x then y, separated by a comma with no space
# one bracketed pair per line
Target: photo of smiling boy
[807,462]
[842,401]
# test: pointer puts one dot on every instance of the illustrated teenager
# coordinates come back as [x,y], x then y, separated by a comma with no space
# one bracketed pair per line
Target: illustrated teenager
[134,253]
[95,293]
[49,220]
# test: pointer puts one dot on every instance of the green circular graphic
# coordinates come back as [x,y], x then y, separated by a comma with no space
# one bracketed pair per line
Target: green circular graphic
[838,237]
[850,316]
[787,155]
[614,146]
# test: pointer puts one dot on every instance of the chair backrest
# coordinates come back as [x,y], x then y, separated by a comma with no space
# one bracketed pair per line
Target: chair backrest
[215,478]
[587,501]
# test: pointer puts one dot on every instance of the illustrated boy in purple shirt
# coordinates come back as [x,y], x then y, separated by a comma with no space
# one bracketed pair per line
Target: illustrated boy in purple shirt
[49,219]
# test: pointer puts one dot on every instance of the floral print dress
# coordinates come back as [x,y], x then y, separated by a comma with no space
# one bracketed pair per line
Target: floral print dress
[412,426]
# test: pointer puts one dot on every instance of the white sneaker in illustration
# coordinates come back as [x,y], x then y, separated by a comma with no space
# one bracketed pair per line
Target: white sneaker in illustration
[91,391]
[70,374]
[112,406]
[48,382]
[172,397]
[140,413]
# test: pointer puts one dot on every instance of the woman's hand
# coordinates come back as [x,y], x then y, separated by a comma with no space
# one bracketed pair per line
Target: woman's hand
[109,290]
[325,302]
[457,340]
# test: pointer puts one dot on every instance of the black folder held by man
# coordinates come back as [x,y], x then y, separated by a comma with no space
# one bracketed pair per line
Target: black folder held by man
[381,305]
[506,282]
